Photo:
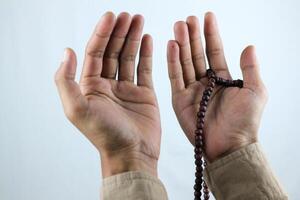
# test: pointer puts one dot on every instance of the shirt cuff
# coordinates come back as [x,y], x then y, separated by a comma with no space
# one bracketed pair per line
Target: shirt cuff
[134,185]
[243,174]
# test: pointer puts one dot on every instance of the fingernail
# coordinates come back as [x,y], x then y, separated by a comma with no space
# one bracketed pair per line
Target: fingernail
[213,20]
[172,44]
[250,56]
[253,55]
[66,56]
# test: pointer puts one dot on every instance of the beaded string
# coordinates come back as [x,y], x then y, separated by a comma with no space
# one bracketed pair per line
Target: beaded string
[199,149]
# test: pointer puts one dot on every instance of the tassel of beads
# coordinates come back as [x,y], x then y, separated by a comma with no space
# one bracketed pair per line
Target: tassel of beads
[200,187]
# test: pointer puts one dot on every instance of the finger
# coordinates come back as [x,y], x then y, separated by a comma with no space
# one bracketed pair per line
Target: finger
[96,46]
[250,68]
[115,44]
[174,67]
[182,38]
[198,55]
[73,101]
[214,46]
[144,71]
[128,55]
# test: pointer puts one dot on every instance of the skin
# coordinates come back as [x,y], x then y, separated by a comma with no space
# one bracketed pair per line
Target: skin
[233,115]
[121,118]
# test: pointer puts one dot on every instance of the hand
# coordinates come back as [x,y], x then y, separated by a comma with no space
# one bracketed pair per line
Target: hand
[119,117]
[233,115]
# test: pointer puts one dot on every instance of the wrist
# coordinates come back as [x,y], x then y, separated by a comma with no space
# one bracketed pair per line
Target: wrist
[121,162]
[232,148]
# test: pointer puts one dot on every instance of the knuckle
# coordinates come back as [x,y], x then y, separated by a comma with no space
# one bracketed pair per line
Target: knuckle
[57,76]
[261,91]
[102,35]
[112,55]
[187,61]
[175,76]
[60,78]
[184,45]
[198,57]
[145,69]
[126,77]
[134,41]
[110,75]
[195,41]
[172,61]
[96,53]
[214,51]
[189,80]
[128,58]
[58,81]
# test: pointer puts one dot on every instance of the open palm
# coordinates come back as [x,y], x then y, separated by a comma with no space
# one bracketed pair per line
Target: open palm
[118,116]
[121,115]
[233,114]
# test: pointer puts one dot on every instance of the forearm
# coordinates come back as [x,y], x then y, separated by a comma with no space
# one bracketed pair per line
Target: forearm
[243,174]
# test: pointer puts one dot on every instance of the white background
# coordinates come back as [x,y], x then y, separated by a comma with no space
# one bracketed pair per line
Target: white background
[43,157]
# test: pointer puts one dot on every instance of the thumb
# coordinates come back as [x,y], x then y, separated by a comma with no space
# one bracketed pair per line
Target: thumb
[250,68]
[72,99]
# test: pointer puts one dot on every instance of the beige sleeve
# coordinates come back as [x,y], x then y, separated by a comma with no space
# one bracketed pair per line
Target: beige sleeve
[133,185]
[244,174]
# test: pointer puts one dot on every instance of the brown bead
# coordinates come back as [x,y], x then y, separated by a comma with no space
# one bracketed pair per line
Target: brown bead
[210,73]
[200,120]
[203,108]
[210,88]
[198,137]
[198,174]
[205,98]
[197,195]
[198,132]
[205,187]
[199,144]
[211,84]
[201,114]
[198,181]
[206,196]
[200,125]
[218,79]
[240,83]
[198,156]
[203,103]
[198,162]
[198,151]
[199,168]
[205,191]
[197,187]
